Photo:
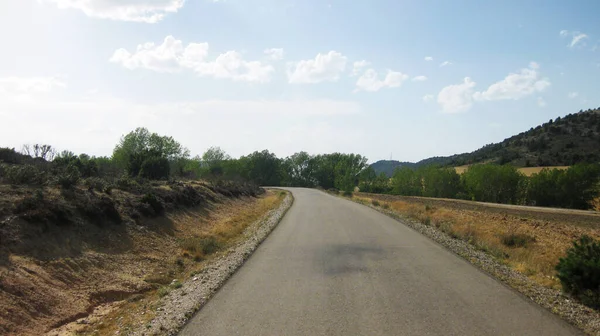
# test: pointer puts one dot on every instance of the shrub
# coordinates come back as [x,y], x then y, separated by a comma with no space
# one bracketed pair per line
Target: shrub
[163,291]
[385,206]
[99,210]
[154,202]
[375,202]
[579,271]
[69,177]
[9,155]
[209,245]
[97,184]
[30,202]
[24,174]
[155,168]
[347,194]
[427,221]
[516,239]
[127,184]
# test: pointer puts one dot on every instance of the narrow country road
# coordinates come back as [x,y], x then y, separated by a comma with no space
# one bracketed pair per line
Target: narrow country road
[333,267]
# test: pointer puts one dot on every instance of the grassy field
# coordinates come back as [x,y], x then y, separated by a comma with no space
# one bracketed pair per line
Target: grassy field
[529,240]
[527,171]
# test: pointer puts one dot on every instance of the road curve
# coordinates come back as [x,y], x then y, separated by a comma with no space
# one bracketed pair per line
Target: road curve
[334,267]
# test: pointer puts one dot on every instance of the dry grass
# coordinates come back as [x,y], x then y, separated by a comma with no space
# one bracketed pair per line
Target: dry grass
[529,245]
[223,225]
[527,171]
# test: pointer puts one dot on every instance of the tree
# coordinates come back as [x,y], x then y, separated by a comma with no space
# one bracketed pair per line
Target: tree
[213,159]
[45,152]
[406,182]
[299,170]
[263,168]
[494,183]
[139,145]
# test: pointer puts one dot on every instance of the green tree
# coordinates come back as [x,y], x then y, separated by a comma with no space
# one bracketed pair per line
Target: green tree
[493,183]
[139,145]
[299,170]
[406,182]
[213,160]
[262,168]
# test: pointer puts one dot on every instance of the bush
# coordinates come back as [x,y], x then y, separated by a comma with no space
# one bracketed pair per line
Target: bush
[385,206]
[427,221]
[517,239]
[25,174]
[154,202]
[98,184]
[30,202]
[347,194]
[9,155]
[163,291]
[209,245]
[155,168]
[69,177]
[375,202]
[127,184]
[99,210]
[579,271]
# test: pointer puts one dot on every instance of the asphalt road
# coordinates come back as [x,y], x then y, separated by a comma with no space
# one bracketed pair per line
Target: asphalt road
[333,267]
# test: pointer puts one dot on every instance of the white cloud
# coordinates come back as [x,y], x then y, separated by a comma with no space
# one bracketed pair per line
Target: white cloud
[445,63]
[171,56]
[419,78]
[516,85]
[358,66]
[428,98]
[576,37]
[573,95]
[231,65]
[428,58]
[275,54]
[370,81]
[541,102]
[325,67]
[457,98]
[25,88]
[149,11]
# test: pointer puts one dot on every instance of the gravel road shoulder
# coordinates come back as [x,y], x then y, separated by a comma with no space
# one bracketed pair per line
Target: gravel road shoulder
[177,307]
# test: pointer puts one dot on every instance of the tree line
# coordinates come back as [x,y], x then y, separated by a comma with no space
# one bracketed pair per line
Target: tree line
[146,155]
[142,154]
[574,187]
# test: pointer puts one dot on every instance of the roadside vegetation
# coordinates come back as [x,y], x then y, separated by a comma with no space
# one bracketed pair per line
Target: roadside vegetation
[78,232]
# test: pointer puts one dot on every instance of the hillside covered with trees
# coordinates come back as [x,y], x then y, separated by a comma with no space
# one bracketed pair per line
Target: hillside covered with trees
[564,141]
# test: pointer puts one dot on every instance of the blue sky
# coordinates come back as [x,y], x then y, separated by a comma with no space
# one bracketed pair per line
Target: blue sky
[412,78]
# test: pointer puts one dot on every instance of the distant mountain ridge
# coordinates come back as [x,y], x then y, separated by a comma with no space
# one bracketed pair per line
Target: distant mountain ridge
[564,141]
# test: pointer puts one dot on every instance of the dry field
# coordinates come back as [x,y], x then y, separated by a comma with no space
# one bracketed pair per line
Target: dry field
[527,171]
[530,240]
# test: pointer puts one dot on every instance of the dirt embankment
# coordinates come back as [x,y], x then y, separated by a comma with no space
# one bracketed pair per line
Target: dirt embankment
[65,252]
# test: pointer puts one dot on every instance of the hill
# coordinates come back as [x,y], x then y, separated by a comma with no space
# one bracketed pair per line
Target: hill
[388,166]
[564,141]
